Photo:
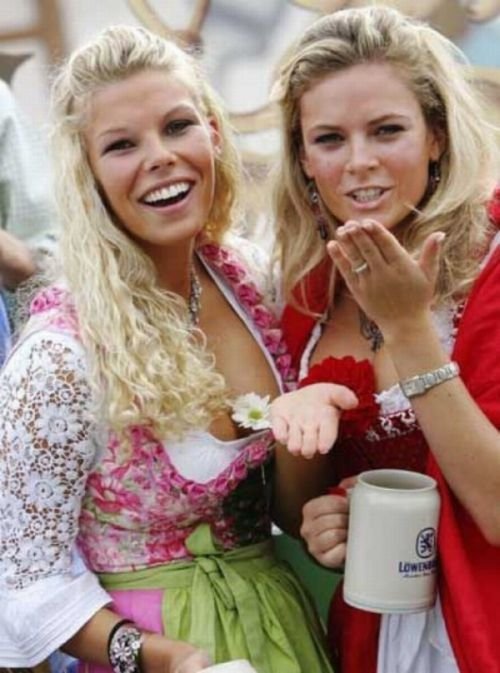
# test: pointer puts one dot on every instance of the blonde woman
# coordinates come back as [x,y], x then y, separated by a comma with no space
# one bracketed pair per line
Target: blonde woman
[386,153]
[134,466]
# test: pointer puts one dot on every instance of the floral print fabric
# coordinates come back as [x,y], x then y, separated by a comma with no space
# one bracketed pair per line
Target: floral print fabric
[63,479]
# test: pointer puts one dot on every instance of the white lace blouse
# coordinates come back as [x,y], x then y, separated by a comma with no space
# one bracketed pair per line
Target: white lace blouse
[50,445]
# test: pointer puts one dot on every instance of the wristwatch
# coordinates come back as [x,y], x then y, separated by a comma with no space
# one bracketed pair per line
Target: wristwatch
[417,385]
[124,647]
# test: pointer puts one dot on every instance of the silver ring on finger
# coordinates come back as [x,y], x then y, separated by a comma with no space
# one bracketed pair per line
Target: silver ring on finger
[360,267]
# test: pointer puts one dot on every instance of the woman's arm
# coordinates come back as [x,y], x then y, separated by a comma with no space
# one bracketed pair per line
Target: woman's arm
[16,261]
[397,293]
[306,423]
[157,653]
[46,453]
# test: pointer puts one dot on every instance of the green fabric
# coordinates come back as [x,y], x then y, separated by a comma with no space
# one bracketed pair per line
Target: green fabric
[242,604]
[319,581]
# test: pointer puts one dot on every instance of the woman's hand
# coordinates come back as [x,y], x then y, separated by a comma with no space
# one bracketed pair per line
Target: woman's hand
[391,287]
[190,662]
[324,526]
[307,420]
[161,655]
[16,261]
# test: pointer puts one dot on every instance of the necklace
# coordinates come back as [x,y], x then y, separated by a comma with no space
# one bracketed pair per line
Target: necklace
[194,301]
[370,331]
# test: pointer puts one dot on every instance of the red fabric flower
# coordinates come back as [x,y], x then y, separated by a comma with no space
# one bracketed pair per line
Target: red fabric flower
[359,376]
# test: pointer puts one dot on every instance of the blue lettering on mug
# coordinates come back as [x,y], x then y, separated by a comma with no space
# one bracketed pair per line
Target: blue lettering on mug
[425,546]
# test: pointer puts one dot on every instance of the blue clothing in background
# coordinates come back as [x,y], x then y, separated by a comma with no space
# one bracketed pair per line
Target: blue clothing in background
[4,331]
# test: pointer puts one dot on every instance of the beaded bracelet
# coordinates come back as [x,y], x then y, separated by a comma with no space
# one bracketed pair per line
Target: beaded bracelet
[124,647]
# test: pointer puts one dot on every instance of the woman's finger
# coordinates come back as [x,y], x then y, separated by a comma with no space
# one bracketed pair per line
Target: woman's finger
[309,440]
[334,558]
[295,438]
[328,429]
[279,427]
[429,257]
[389,247]
[341,262]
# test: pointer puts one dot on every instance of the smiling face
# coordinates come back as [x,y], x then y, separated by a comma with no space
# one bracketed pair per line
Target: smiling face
[152,152]
[366,144]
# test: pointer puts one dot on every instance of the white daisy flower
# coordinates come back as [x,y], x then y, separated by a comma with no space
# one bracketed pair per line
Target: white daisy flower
[252,411]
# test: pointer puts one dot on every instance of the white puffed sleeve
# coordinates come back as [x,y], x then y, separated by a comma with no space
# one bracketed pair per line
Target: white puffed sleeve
[47,448]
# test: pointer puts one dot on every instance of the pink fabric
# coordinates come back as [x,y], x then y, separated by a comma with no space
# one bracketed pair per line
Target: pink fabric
[138,510]
[142,606]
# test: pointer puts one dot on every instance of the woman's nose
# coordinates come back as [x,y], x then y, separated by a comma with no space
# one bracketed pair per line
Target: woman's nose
[158,154]
[362,156]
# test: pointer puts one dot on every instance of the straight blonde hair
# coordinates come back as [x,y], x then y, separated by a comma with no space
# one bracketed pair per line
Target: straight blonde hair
[434,70]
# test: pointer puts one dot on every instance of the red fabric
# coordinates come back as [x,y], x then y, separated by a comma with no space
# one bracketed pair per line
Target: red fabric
[357,375]
[352,637]
[296,325]
[494,207]
[469,581]
[469,578]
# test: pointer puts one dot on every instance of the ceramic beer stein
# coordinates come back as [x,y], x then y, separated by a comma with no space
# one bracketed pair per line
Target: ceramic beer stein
[391,546]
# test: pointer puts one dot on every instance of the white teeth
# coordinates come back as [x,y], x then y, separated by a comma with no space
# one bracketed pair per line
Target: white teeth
[167,192]
[365,195]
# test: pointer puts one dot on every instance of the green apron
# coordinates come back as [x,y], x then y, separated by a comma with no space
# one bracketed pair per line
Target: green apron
[242,604]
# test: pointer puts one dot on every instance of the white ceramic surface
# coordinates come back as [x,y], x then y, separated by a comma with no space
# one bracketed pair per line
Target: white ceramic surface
[236,666]
[391,546]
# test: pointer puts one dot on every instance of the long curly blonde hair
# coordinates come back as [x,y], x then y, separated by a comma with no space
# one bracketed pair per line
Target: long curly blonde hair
[146,366]
[435,71]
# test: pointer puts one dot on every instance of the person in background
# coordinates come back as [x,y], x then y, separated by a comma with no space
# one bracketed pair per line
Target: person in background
[391,267]
[27,218]
[132,431]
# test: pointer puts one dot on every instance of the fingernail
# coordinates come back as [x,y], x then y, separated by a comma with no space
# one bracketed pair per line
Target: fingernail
[337,490]
[440,236]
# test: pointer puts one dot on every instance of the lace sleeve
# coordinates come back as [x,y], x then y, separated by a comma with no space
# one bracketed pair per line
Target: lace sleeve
[46,451]
[45,455]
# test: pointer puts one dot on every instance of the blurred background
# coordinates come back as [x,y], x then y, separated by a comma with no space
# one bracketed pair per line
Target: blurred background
[240,43]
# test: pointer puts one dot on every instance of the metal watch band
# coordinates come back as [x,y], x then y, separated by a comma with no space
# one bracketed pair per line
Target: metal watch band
[124,648]
[417,385]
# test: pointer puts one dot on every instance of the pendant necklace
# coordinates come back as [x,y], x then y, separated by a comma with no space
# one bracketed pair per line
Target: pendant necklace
[194,301]
[370,331]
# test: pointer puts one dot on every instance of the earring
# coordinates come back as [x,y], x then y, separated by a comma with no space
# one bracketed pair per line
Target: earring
[434,176]
[315,202]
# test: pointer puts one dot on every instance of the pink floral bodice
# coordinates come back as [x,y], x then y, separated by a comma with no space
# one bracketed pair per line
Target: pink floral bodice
[65,479]
[139,511]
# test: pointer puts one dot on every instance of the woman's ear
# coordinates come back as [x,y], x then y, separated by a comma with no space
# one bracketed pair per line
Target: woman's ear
[304,162]
[215,136]
[438,143]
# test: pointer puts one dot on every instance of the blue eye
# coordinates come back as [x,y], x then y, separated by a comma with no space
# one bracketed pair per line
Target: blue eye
[178,126]
[333,138]
[117,145]
[389,129]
